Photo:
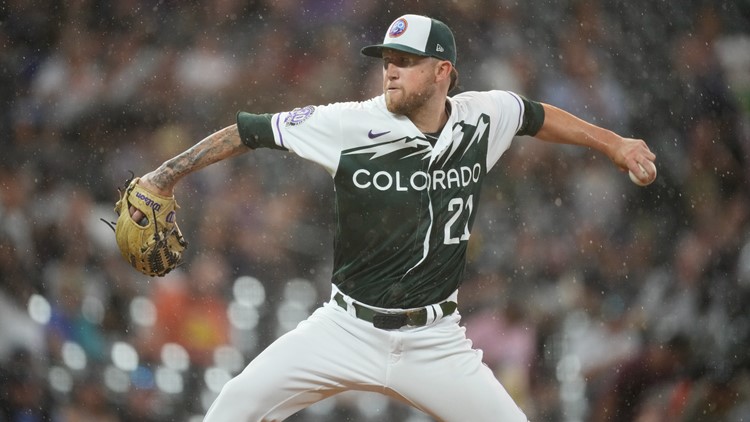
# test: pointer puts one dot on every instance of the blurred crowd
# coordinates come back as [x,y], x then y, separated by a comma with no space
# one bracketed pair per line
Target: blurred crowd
[592,299]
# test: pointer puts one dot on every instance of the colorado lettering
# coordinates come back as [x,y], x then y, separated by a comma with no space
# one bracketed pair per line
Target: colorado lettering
[148,201]
[419,180]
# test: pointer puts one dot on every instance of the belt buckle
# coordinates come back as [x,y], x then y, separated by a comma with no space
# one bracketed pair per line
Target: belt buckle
[389,321]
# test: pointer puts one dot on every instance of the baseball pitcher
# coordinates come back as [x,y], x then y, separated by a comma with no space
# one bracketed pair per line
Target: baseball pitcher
[408,167]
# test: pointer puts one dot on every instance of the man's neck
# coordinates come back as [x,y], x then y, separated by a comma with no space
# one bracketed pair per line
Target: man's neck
[431,118]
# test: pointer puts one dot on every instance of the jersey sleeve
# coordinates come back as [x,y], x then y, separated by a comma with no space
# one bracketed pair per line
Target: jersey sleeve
[507,111]
[311,132]
[533,117]
[255,130]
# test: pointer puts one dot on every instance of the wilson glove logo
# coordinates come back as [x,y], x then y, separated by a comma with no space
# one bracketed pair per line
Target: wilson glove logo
[148,201]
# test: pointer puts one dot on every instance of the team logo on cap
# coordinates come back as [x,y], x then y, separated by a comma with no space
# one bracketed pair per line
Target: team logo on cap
[398,28]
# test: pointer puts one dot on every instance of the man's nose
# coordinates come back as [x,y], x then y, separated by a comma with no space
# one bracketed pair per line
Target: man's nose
[391,71]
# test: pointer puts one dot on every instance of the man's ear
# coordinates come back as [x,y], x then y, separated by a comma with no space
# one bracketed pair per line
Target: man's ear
[443,71]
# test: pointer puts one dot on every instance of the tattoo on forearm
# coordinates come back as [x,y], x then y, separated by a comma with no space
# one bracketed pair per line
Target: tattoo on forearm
[220,145]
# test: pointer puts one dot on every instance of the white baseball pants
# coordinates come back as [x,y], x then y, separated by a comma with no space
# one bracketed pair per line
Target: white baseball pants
[432,368]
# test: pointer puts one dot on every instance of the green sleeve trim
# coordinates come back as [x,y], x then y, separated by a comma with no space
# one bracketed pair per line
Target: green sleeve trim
[533,117]
[256,130]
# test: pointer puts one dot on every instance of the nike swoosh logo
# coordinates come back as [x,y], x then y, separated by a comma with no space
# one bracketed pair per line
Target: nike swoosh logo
[375,135]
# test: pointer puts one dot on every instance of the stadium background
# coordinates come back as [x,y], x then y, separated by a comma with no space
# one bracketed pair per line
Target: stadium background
[585,291]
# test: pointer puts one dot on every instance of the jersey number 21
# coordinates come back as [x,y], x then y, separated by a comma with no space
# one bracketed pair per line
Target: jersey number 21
[459,220]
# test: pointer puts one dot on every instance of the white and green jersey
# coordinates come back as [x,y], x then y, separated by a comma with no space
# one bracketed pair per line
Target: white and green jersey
[405,203]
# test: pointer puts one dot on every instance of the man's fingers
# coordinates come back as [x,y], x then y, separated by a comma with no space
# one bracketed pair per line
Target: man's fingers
[636,152]
[138,216]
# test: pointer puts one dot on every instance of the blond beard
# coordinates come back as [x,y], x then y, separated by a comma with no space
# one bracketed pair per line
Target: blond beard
[409,104]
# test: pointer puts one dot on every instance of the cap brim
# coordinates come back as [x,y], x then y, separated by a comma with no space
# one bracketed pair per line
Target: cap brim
[377,50]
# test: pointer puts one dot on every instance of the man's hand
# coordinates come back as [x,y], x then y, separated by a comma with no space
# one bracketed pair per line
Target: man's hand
[146,182]
[146,229]
[633,155]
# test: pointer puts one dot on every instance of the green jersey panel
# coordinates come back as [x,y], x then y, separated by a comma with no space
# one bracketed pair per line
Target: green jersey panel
[404,207]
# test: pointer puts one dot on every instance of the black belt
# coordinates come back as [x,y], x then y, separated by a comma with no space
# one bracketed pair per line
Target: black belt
[415,318]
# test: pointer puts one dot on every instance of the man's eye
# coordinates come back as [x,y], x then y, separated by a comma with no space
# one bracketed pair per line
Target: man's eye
[398,62]
[406,62]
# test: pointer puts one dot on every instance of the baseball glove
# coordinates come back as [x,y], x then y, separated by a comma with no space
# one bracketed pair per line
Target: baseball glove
[154,245]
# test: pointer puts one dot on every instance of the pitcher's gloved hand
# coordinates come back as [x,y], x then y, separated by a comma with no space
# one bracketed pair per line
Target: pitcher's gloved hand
[154,245]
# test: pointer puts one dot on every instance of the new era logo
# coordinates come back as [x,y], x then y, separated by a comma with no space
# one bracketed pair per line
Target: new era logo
[439,48]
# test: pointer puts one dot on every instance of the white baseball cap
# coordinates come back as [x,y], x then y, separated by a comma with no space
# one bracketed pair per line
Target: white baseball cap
[419,35]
